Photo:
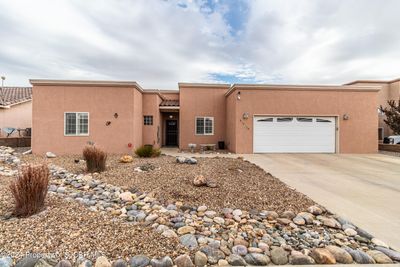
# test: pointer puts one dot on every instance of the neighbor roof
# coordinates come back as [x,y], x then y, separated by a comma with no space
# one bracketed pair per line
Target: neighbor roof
[169,103]
[14,95]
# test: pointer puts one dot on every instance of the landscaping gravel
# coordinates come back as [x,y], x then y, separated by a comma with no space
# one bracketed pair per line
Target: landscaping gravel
[240,184]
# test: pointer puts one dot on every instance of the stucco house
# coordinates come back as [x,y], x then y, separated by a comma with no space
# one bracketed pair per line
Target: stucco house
[15,109]
[120,116]
[390,90]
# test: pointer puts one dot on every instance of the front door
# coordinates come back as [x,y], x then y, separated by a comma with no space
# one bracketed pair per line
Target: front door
[171,133]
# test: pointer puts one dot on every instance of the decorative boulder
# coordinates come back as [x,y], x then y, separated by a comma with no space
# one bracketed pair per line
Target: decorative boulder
[126,159]
[50,155]
[199,180]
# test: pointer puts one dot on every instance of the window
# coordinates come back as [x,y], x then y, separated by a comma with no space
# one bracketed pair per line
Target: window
[76,123]
[284,119]
[323,120]
[266,119]
[304,119]
[204,125]
[148,120]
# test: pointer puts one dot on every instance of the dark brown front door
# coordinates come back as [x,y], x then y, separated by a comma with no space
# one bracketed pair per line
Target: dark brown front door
[171,133]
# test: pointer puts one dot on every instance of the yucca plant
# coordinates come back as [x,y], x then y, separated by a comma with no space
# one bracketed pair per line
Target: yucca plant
[95,159]
[30,189]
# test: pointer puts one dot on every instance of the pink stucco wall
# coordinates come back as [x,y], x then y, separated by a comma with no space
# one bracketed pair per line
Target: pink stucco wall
[201,101]
[152,133]
[356,135]
[50,103]
[17,116]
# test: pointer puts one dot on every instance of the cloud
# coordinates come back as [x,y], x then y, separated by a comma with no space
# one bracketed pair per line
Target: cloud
[160,43]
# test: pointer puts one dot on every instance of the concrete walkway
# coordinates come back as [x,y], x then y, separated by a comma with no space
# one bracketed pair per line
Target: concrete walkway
[364,189]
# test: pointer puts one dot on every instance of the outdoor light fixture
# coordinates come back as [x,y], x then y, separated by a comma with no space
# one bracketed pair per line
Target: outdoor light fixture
[345,117]
[171,116]
[238,95]
[245,115]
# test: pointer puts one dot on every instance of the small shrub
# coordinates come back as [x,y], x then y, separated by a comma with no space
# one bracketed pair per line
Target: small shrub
[95,159]
[30,189]
[147,151]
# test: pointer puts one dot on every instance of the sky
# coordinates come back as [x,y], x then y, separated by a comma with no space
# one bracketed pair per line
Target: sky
[159,43]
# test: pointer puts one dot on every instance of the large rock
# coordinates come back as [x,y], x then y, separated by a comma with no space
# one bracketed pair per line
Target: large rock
[199,180]
[126,196]
[315,210]
[257,259]
[43,263]
[379,243]
[200,259]
[364,233]
[360,256]
[301,259]
[50,155]
[330,222]
[64,263]
[189,241]
[341,255]
[102,261]
[6,261]
[279,256]
[394,255]
[169,233]
[184,261]
[126,159]
[213,254]
[299,220]
[239,250]
[186,230]
[236,260]
[119,263]
[308,217]
[139,261]
[81,262]
[379,257]
[28,261]
[164,262]
[322,256]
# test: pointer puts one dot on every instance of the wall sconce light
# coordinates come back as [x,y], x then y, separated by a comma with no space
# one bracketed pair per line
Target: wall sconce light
[238,95]
[171,116]
[346,117]
[245,115]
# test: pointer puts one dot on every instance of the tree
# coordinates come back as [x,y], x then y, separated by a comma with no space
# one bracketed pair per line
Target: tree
[392,113]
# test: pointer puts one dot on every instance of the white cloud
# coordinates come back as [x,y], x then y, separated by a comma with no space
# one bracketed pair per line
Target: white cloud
[160,43]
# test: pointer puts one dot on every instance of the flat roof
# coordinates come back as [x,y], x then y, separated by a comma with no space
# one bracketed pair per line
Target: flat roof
[86,83]
[302,87]
[373,81]
[204,85]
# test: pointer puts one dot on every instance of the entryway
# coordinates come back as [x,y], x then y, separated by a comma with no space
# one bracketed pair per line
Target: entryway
[171,132]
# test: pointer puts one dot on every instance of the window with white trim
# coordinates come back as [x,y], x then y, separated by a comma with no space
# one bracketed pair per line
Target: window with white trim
[148,120]
[205,125]
[76,123]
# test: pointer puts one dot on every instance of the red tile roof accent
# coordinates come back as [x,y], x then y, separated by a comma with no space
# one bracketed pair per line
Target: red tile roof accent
[169,103]
[14,95]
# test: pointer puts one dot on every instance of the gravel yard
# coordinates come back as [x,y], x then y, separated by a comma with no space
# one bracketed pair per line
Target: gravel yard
[240,184]
[67,228]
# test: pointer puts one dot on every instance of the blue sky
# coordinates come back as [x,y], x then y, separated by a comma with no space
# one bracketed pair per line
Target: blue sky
[159,43]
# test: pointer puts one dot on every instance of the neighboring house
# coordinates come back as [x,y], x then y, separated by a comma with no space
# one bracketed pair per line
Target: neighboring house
[15,109]
[390,91]
[249,118]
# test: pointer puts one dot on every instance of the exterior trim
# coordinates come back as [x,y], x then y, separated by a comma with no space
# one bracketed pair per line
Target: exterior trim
[169,107]
[204,85]
[373,81]
[301,87]
[86,83]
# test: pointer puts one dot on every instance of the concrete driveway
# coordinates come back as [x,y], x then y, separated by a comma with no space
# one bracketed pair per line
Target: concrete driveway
[365,189]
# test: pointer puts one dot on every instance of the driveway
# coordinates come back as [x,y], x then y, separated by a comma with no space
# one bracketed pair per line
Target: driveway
[365,189]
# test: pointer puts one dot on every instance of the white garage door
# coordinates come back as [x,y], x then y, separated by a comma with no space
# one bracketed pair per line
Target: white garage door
[294,134]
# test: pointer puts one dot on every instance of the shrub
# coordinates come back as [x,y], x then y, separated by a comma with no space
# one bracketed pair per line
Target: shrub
[95,159]
[30,189]
[147,151]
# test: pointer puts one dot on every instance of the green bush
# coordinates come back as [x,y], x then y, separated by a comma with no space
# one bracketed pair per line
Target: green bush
[147,151]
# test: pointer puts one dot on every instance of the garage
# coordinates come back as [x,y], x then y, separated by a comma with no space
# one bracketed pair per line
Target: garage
[287,134]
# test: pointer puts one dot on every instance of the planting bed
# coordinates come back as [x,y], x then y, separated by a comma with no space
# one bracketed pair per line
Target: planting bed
[159,218]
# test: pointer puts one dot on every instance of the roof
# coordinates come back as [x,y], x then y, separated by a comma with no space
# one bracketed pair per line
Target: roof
[14,95]
[169,103]
[204,85]
[373,81]
[302,87]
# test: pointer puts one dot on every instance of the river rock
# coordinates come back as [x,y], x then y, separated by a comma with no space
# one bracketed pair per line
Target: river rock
[169,233]
[126,196]
[315,210]
[341,255]
[364,233]
[299,220]
[350,232]
[394,255]
[239,250]
[183,261]
[308,217]
[28,261]
[119,263]
[64,263]
[288,214]
[379,243]
[199,180]
[213,255]
[301,259]
[50,155]
[257,259]
[379,257]
[102,261]
[139,261]
[330,222]
[279,256]
[189,241]
[6,261]
[164,262]
[236,260]
[186,230]
[200,259]
[322,256]
[360,256]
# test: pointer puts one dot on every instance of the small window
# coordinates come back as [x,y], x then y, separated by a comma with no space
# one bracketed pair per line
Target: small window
[284,119]
[380,133]
[323,120]
[204,125]
[304,119]
[148,120]
[76,123]
[266,119]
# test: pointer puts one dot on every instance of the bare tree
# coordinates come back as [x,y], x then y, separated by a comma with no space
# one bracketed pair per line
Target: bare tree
[392,113]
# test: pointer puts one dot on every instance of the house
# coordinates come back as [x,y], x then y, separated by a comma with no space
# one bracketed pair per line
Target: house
[249,118]
[390,90]
[15,109]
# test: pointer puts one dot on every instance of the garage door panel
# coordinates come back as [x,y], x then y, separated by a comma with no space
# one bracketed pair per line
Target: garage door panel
[294,135]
